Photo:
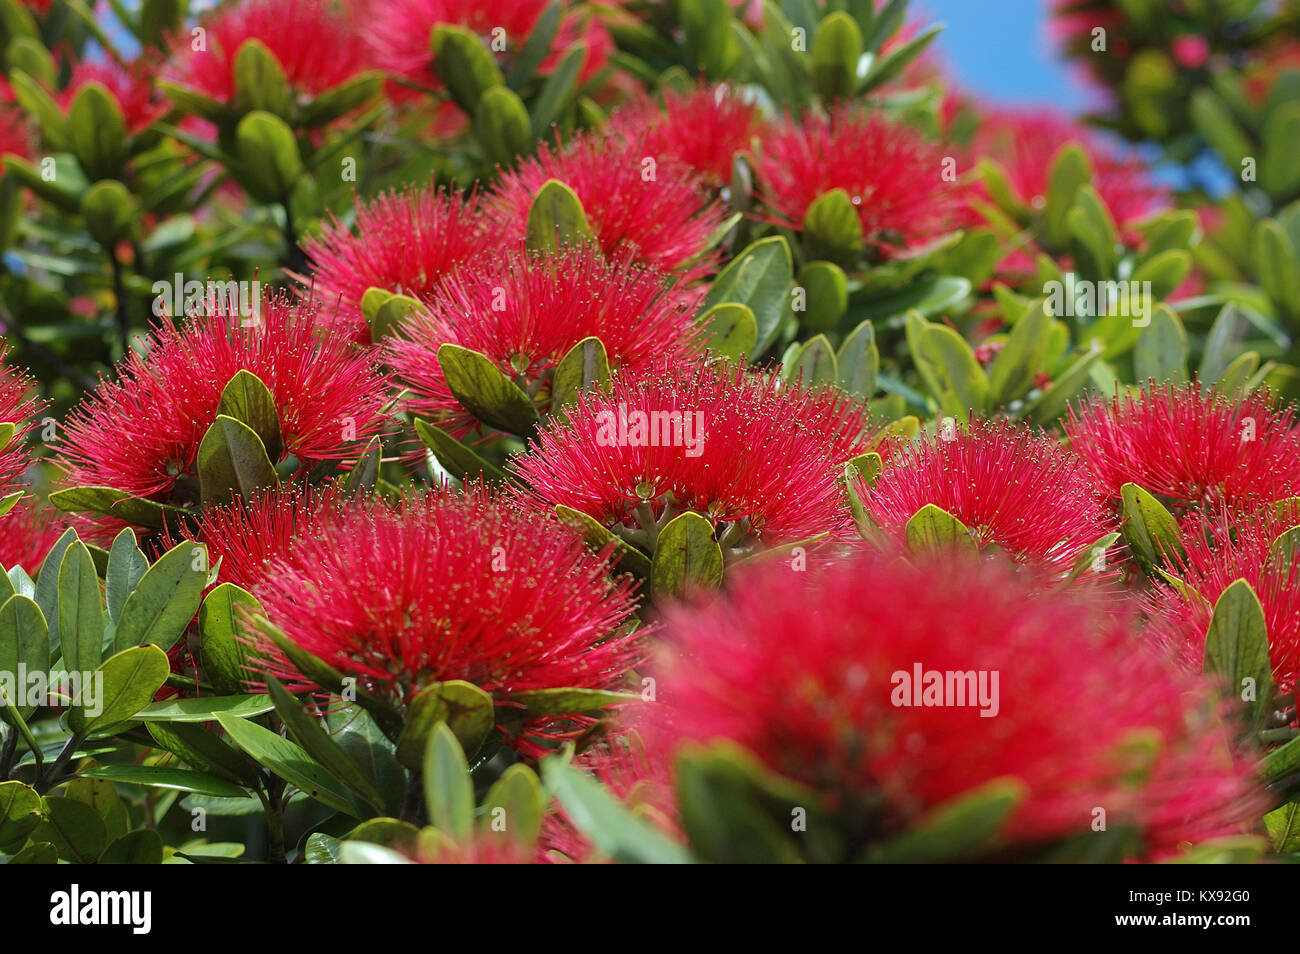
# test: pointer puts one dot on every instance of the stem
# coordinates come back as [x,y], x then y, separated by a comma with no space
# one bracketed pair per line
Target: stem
[7,752]
[413,809]
[122,311]
[1269,736]
[51,777]
[295,260]
[274,802]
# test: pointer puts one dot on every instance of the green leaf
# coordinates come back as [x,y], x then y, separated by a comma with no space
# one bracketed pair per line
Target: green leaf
[206,708]
[448,790]
[232,460]
[1161,350]
[827,296]
[832,228]
[178,780]
[270,166]
[836,49]
[36,853]
[501,125]
[1236,647]
[221,654]
[1051,403]
[1220,344]
[585,366]
[391,314]
[1215,122]
[932,527]
[955,369]
[730,330]
[20,812]
[464,65]
[963,827]
[1151,531]
[759,278]
[610,827]
[38,103]
[550,702]
[1275,261]
[96,131]
[598,536]
[1070,172]
[814,364]
[686,556]
[365,471]
[246,399]
[288,761]
[1284,550]
[536,46]
[75,830]
[1278,173]
[131,678]
[1021,359]
[556,219]
[338,101]
[462,706]
[486,392]
[1165,272]
[1089,557]
[141,847]
[25,642]
[260,82]
[165,599]
[859,361]
[516,803]
[309,734]
[205,751]
[556,92]
[457,459]
[81,612]
[47,585]
[1090,224]
[322,850]
[126,566]
[110,212]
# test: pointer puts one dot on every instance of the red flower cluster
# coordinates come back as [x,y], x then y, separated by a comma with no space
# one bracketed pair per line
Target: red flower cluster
[526,313]
[733,446]
[1011,486]
[141,433]
[450,587]
[839,715]
[1197,450]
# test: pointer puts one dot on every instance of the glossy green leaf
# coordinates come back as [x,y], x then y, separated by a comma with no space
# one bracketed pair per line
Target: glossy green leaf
[287,760]
[221,655]
[486,392]
[249,401]
[585,366]
[1236,648]
[686,556]
[131,678]
[81,611]
[448,790]
[932,527]
[165,599]
[462,706]
[556,219]
[759,278]
[232,460]
[1151,531]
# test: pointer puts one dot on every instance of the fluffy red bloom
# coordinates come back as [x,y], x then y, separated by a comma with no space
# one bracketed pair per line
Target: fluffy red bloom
[526,314]
[404,242]
[27,532]
[451,587]
[808,672]
[892,175]
[131,87]
[658,210]
[398,32]
[1199,451]
[15,132]
[140,434]
[703,129]
[313,44]
[1025,142]
[1011,486]
[1221,551]
[20,405]
[756,459]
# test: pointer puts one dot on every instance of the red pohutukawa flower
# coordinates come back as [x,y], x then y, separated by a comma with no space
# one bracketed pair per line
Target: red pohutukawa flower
[892,175]
[1025,143]
[132,87]
[141,433]
[397,33]
[704,129]
[865,710]
[20,405]
[245,536]
[526,313]
[404,242]
[452,587]
[756,459]
[27,532]
[658,208]
[1197,450]
[313,44]
[1011,486]
[1219,551]
[15,129]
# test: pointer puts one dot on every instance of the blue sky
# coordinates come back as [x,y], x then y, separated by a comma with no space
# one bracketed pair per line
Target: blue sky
[1000,49]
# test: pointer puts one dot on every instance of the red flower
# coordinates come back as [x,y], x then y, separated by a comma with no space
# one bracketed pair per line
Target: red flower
[526,314]
[891,174]
[20,406]
[632,200]
[15,132]
[1025,143]
[452,587]
[313,44]
[815,677]
[405,242]
[757,460]
[27,532]
[132,88]
[398,33]
[1199,451]
[1011,486]
[1220,551]
[704,129]
[140,434]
